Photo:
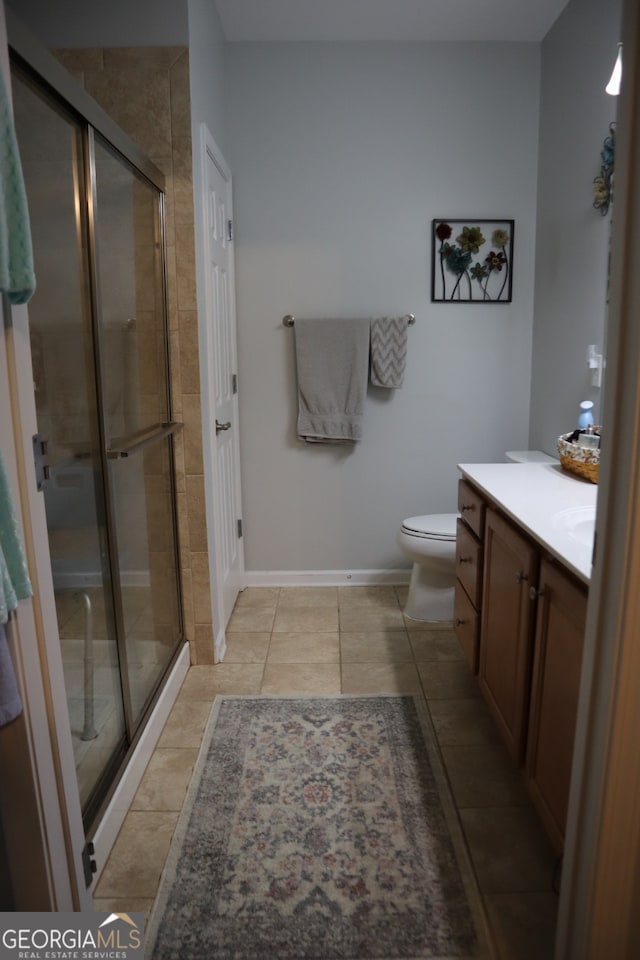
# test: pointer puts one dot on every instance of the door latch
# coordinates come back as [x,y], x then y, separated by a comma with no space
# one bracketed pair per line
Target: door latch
[89,864]
[43,470]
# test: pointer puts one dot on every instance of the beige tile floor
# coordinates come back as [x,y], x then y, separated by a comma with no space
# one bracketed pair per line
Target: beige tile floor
[331,640]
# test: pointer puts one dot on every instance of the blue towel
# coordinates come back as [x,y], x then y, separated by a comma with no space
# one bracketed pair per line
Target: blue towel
[14,585]
[17,278]
[14,575]
[10,702]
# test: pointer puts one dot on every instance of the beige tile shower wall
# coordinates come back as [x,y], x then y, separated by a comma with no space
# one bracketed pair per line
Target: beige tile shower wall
[146,91]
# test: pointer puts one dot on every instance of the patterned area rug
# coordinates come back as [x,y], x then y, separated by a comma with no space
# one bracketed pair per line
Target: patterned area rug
[317,829]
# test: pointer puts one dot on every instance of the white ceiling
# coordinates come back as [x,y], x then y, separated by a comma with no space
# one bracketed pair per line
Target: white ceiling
[391,20]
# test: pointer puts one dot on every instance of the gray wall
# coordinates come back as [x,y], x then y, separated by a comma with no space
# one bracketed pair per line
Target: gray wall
[206,74]
[118,23]
[572,238]
[342,155]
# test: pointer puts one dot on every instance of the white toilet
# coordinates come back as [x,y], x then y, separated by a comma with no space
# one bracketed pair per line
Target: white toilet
[430,542]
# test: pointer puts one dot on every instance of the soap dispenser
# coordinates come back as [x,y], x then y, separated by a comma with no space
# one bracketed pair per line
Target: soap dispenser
[585,418]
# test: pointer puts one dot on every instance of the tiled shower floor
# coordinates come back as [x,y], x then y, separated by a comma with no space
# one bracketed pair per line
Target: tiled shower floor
[331,640]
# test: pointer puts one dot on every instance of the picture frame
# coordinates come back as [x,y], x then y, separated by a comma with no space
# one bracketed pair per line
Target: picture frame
[471,260]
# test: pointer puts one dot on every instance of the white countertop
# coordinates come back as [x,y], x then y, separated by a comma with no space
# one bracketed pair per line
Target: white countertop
[533,495]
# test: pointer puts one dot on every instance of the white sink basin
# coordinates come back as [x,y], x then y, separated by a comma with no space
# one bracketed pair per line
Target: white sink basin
[578,523]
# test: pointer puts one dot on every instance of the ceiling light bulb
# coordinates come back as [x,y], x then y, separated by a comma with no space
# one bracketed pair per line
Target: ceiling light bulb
[613,87]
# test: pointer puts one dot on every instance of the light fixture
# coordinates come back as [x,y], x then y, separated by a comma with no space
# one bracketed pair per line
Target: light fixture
[613,87]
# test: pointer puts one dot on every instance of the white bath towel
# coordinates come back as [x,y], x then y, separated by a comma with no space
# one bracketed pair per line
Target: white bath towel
[388,351]
[332,359]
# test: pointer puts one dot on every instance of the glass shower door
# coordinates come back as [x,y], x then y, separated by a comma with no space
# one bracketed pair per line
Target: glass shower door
[138,432]
[101,381]
[66,403]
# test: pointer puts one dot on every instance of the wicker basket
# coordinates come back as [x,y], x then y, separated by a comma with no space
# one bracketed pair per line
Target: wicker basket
[576,459]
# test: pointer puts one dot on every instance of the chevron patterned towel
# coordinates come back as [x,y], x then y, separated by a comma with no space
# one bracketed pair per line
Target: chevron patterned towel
[388,351]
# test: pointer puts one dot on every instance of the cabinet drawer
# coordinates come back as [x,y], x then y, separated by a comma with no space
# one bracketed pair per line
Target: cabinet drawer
[471,507]
[467,626]
[469,562]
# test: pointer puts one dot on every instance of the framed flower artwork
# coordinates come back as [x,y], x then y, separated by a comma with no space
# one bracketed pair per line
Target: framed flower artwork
[472,261]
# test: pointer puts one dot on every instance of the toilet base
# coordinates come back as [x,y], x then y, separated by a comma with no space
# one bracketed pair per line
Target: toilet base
[430,595]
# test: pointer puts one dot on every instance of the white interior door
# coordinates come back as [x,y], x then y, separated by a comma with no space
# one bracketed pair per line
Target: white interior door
[221,330]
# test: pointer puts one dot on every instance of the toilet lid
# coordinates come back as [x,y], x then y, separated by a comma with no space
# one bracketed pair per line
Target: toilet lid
[437,526]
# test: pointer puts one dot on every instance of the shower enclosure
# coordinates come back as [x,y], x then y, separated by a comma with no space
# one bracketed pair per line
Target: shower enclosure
[98,324]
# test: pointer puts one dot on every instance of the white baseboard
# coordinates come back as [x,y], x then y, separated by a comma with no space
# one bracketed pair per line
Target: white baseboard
[324,578]
[109,827]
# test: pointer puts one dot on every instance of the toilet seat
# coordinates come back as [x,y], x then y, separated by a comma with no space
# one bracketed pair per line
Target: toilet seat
[432,526]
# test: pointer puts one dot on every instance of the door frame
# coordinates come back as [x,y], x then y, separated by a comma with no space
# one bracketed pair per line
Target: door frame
[598,914]
[43,809]
[44,826]
[206,310]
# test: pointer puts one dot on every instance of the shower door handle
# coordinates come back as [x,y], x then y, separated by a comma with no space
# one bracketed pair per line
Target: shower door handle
[141,440]
[220,427]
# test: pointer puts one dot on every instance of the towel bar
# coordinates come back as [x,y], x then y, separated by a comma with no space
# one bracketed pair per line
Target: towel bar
[289,320]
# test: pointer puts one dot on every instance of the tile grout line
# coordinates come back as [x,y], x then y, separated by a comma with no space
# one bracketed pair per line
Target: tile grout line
[266,656]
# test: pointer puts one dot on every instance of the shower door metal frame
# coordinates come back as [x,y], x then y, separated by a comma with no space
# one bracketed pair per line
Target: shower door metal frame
[156,434]
[40,68]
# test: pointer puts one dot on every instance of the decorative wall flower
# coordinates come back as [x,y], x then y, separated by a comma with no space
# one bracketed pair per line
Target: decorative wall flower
[443,231]
[491,273]
[500,238]
[457,260]
[470,239]
[601,194]
[603,184]
[496,260]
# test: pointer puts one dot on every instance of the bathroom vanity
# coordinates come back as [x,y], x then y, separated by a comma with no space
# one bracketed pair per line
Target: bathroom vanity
[523,562]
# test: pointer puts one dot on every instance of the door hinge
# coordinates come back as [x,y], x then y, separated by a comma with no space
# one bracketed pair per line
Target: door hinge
[239,529]
[229,229]
[88,862]
[39,453]
[234,383]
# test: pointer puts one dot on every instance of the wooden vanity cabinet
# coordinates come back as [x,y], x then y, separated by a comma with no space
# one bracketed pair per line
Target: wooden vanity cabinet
[560,626]
[507,631]
[520,618]
[469,565]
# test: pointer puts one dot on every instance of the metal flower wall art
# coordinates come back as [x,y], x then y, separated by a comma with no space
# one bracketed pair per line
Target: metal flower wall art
[603,184]
[472,261]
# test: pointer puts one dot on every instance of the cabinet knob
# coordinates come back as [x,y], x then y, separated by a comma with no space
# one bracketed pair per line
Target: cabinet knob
[459,622]
[534,594]
[467,506]
[464,559]
[521,576]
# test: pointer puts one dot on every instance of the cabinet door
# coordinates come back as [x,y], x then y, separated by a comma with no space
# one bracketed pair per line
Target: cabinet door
[560,625]
[506,639]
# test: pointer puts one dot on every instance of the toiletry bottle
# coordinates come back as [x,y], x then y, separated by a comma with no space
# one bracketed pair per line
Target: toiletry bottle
[589,439]
[586,417]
